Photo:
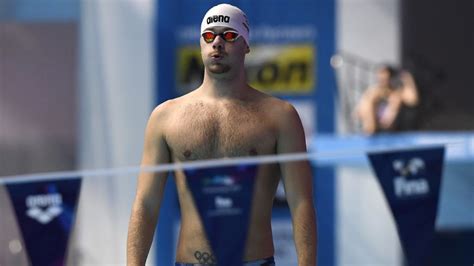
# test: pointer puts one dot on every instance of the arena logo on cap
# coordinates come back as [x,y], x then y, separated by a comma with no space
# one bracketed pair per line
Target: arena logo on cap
[218,18]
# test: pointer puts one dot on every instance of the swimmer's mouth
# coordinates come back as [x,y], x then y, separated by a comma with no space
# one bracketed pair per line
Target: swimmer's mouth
[217,55]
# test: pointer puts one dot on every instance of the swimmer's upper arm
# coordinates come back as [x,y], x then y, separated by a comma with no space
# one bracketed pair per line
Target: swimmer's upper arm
[155,151]
[298,183]
[149,190]
[296,176]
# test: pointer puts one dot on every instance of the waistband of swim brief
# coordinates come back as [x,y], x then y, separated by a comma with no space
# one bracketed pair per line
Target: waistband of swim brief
[262,262]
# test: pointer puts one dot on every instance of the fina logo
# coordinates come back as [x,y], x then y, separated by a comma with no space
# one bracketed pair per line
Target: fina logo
[44,208]
[223,203]
[415,187]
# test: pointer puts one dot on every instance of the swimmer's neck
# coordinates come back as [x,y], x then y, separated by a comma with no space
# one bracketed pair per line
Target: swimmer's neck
[224,87]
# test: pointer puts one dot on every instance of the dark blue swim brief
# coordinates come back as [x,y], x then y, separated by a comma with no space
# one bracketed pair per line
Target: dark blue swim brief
[263,262]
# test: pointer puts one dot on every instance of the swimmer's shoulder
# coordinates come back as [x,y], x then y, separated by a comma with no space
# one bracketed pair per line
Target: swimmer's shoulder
[277,107]
[164,111]
[169,107]
[373,91]
[167,110]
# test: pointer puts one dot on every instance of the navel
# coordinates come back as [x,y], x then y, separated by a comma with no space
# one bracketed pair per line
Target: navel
[187,154]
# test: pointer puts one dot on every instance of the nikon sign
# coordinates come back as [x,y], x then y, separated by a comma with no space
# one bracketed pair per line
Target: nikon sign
[276,69]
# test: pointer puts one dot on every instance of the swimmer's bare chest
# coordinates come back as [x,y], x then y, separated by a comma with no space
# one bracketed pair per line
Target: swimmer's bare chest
[204,131]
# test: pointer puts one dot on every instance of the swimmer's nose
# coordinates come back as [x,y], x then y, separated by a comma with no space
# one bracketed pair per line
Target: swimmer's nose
[218,43]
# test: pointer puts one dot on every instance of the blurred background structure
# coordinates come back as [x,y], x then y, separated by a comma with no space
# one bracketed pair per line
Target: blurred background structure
[78,80]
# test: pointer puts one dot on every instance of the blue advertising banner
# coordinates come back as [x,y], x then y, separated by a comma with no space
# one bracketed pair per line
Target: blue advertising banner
[411,182]
[45,213]
[223,197]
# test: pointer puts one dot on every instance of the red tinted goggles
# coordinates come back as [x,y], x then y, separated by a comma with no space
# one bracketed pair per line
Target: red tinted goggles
[228,36]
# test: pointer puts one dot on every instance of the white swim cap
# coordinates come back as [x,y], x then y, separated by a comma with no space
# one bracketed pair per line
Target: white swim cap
[226,15]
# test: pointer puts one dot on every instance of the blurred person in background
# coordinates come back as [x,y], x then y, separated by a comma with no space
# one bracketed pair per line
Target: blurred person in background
[224,117]
[382,105]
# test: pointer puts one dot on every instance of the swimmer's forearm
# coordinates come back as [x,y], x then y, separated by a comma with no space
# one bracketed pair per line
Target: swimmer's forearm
[304,230]
[140,235]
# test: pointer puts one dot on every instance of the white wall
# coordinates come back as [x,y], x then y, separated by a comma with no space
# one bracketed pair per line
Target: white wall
[366,233]
[369,28]
[116,98]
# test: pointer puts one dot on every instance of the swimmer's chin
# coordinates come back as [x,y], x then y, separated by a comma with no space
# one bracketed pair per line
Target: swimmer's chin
[219,69]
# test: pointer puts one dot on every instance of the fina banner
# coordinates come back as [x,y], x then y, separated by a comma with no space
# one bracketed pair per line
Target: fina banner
[411,182]
[223,197]
[45,213]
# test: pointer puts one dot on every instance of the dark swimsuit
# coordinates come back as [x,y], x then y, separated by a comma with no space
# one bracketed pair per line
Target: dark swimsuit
[263,262]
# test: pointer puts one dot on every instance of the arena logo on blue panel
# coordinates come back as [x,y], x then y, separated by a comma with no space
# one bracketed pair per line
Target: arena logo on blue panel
[409,183]
[44,207]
